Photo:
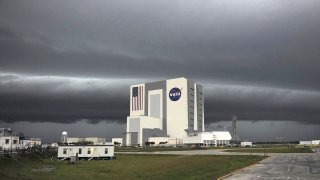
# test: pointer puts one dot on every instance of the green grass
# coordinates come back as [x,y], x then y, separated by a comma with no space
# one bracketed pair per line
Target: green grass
[129,167]
[272,150]
[153,149]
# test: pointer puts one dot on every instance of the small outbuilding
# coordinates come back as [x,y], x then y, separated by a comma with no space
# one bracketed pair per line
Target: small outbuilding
[105,151]
[246,144]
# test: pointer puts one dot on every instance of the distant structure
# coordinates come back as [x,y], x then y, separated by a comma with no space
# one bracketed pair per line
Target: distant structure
[173,107]
[10,140]
[92,140]
[73,148]
[246,143]
[169,113]
[309,143]
[64,137]
[235,129]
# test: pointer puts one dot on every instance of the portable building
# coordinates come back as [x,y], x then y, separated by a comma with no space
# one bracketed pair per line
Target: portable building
[105,151]
[246,144]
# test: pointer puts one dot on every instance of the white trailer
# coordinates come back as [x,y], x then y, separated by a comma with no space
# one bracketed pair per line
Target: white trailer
[105,151]
[246,144]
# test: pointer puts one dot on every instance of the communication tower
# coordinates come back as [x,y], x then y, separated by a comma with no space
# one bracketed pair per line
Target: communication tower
[235,129]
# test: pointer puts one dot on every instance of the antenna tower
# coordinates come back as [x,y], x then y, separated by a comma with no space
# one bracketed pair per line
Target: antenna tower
[235,129]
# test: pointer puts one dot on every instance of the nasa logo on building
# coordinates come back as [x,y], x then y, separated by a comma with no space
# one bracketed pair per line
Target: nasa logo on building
[175,94]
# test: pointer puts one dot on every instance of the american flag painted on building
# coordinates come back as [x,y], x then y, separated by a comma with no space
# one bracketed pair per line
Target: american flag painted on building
[137,98]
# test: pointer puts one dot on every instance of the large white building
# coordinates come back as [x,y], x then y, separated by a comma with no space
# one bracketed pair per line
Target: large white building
[173,108]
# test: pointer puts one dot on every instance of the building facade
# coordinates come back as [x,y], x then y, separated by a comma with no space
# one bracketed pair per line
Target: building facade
[9,139]
[86,151]
[173,108]
[212,138]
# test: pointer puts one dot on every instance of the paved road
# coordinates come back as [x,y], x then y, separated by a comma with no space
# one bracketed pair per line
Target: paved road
[283,166]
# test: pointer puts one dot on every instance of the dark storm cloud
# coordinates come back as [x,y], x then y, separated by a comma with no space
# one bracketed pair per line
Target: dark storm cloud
[67,100]
[63,100]
[256,59]
[262,103]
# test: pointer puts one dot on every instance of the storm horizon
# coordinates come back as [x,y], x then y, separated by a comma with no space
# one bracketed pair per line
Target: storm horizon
[69,65]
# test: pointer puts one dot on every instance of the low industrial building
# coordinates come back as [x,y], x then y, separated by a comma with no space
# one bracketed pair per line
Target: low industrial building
[94,140]
[30,142]
[213,138]
[309,143]
[81,140]
[10,140]
[105,151]
[246,144]
[84,148]
[164,141]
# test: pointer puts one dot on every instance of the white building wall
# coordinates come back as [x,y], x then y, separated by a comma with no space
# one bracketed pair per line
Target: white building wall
[213,137]
[95,140]
[193,140]
[141,122]
[195,117]
[305,142]
[222,135]
[315,142]
[177,111]
[9,142]
[169,141]
[246,143]
[158,140]
[203,128]
[95,151]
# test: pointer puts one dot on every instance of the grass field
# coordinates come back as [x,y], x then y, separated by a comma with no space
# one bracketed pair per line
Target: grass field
[129,167]
[153,149]
[273,150]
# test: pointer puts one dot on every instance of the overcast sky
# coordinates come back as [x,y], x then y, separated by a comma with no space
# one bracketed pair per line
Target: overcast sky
[69,64]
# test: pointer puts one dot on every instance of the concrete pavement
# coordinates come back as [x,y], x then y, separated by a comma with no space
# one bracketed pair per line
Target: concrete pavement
[302,166]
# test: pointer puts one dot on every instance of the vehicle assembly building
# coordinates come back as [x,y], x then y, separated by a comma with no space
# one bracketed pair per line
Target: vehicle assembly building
[171,108]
